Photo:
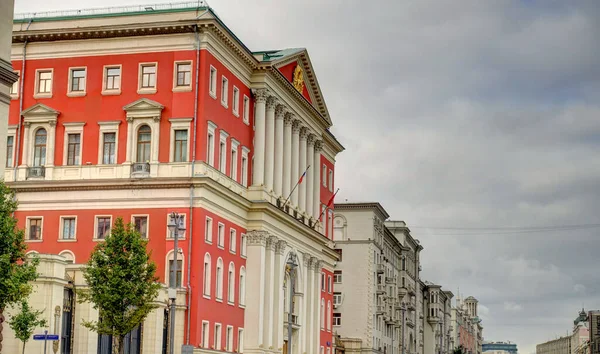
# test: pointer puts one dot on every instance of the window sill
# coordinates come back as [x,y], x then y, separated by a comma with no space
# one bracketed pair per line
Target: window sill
[98,239]
[182,89]
[208,242]
[243,256]
[111,92]
[213,95]
[33,241]
[230,303]
[224,104]
[218,300]
[237,114]
[14,97]
[220,247]
[206,296]
[146,91]
[242,306]
[247,122]
[76,93]
[42,95]
[66,240]
[178,239]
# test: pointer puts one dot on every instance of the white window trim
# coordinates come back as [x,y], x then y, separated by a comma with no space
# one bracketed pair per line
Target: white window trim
[61,230]
[180,257]
[219,290]
[229,338]
[240,342]
[233,249]
[12,131]
[209,240]
[324,175]
[149,90]
[179,124]
[243,245]
[37,94]
[330,180]
[182,88]
[244,177]
[234,164]
[106,91]
[242,287]
[224,91]
[235,102]
[231,290]
[69,252]
[205,295]
[205,334]
[133,216]
[223,155]
[218,336]
[246,110]
[108,127]
[212,82]
[185,220]
[15,95]
[220,226]
[96,226]
[73,128]
[27,219]
[210,158]
[70,91]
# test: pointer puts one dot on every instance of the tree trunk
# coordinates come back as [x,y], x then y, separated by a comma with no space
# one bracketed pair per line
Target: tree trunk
[23,347]
[1,320]
[120,346]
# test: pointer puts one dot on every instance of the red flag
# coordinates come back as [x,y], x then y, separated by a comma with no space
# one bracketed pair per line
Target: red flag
[302,177]
[332,197]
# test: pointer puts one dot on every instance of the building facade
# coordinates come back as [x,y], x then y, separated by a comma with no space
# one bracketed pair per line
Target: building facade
[510,348]
[8,78]
[138,112]
[560,345]
[581,334]
[593,318]
[437,326]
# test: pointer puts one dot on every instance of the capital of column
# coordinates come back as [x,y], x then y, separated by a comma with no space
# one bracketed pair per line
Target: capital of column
[280,248]
[280,111]
[27,124]
[272,102]
[318,145]
[318,266]
[303,132]
[296,125]
[288,118]
[272,242]
[257,238]
[310,140]
[52,123]
[260,95]
[306,260]
[129,119]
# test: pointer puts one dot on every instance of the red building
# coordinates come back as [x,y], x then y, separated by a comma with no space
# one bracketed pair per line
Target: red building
[140,112]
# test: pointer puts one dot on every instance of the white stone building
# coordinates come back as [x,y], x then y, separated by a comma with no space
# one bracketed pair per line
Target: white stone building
[8,78]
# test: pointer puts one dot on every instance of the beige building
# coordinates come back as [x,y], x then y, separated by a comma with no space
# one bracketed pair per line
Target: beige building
[8,78]
[437,331]
[561,345]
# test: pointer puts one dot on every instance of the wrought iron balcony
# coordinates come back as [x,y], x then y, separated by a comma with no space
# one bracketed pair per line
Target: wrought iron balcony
[36,172]
[140,169]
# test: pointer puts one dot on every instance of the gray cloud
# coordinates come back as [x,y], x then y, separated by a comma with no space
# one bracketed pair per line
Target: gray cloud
[466,114]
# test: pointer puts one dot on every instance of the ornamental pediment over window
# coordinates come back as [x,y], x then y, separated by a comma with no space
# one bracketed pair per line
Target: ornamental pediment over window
[40,113]
[144,108]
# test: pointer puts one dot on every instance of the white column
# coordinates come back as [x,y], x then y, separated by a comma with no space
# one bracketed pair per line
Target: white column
[306,308]
[51,144]
[278,174]
[310,156]
[317,179]
[301,169]
[25,146]
[278,292]
[129,147]
[258,172]
[255,289]
[270,274]
[295,160]
[270,142]
[317,308]
[155,139]
[287,154]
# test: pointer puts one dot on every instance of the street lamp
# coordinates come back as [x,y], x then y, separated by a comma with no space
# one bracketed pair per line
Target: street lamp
[175,227]
[292,264]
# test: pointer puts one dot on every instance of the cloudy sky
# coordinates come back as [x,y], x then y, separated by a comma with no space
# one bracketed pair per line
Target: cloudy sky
[482,116]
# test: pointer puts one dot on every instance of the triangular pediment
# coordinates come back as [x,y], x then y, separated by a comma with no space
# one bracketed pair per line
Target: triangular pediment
[40,110]
[143,104]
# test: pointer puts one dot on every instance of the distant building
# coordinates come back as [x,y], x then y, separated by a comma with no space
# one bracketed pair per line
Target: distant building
[8,78]
[466,328]
[594,331]
[581,334]
[561,345]
[495,347]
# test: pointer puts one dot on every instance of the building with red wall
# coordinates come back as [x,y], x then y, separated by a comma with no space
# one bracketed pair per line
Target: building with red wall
[142,111]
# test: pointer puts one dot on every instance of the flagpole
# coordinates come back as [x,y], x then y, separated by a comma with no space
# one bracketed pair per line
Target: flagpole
[330,200]
[296,186]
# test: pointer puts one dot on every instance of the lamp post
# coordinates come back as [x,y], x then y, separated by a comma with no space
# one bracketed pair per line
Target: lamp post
[292,263]
[403,308]
[175,227]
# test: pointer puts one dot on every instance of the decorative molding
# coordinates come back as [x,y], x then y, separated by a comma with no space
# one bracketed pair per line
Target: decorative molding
[296,125]
[306,260]
[272,103]
[257,238]
[318,266]
[318,145]
[280,111]
[280,247]
[288,118]
[7,75]
[260,95]
[303,132]
[310,140]
[272,242]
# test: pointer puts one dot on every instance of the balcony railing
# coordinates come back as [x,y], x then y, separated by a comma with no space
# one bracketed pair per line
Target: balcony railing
[140,169]
[294,318]
[36,172]
[390,280]
[380,268]
[411,289]
[380,309]
[380,288]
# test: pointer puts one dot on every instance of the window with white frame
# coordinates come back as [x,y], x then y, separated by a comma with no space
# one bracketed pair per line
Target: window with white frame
[180,136]
[68,227]
[337,277]
[236,102]
[14,89]
[34,228]
[39,147]
[324,175]
[210,144]
[175,279]
[330,222]
[212,82]
[337,299]
[329,284]
[234,159]
[243,246]
[108,142]
[231,283]
[182,77]
[103,225]
[219,279]
[322,281]
[240,343]
[242,285]
[208,230]
[229,339]
[144,144]
[112,80]
[73,149]
[223,151]
[244,171]
[328,315]
[246,112]
[147,78]
[217,336]
[224,91]
[331,180]
[181,226]
[140,224]
[232,240]
[68,256]
[206,279]
[337,319]
[221,235]
[322,313]
[10,146]
[43,83]
[205,334]
[77,81]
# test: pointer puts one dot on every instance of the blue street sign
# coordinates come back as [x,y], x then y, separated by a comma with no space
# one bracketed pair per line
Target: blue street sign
[45,337]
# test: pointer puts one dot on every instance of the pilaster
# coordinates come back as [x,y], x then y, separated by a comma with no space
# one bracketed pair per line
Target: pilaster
[270,274]
[278,298]
[256,242]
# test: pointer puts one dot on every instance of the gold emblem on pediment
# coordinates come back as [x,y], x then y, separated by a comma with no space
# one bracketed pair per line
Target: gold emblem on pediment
[298,81]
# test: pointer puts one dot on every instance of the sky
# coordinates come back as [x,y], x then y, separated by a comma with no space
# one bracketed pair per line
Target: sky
[470,120]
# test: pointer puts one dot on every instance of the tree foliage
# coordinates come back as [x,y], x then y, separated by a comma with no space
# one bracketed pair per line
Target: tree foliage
[459,350]
[122,283]
[25,322]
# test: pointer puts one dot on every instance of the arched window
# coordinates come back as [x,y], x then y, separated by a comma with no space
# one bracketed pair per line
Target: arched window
[172,278]
[68,256]
[39,147]
[242,299]
[322,313]
[144,137]
[207,274]
[231,283]
[219,277]
[328,315]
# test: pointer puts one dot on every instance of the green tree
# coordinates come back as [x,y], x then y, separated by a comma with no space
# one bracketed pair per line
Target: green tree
[16,272]
[25,322]
[459,350]
[122,283]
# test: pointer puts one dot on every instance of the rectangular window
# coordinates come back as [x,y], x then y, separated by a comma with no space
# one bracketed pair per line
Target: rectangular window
[181,226]
[180,148]
[102,226]
[240,344]
[331,180]
[229,339]
[236,101]
[205,334]
[112,79]
[217,336]
[77,80]
[184,74]
[73,148]
[224,91]
[329,284]
[245,171]
[14,89]
[212,83]
[243,246]
[232,240]
[322,281]
[337,319]
[324,175]
[35,229]
[337,276]
[221,235]
[337,299]
[108,148]
[208,231]
[210,153]
[222,156]
[68,228]
[141,225]
[10,144]
[44,81]
[178,275]
[148,76]
[234,164]
[246,113]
